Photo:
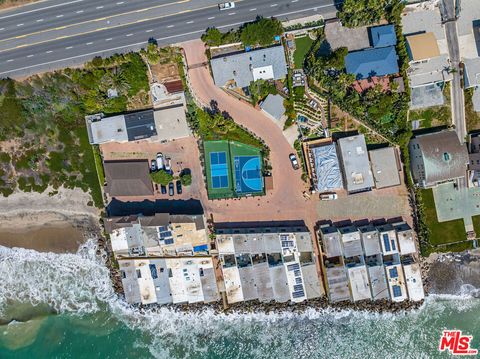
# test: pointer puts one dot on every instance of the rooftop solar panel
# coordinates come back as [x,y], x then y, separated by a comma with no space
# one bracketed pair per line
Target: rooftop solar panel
[393,272]
[397,291]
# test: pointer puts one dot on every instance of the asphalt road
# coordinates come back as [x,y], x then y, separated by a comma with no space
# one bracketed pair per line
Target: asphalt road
[51,34]
[458,100]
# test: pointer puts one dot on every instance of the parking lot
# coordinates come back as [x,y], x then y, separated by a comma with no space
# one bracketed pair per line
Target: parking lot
[183,154]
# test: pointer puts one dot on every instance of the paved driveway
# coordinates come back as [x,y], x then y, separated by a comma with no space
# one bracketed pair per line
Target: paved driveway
[285,201]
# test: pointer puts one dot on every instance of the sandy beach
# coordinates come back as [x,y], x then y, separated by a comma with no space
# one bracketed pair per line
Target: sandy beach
[57,221]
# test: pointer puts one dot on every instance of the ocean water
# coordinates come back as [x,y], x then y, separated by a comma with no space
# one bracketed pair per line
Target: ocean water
[91,322]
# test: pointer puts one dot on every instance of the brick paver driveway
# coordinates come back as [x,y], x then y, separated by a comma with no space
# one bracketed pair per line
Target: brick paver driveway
[286,200]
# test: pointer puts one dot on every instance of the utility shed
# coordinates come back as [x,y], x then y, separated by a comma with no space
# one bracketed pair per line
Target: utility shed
[273,106]
[128,178]
[356,166]
[385,167]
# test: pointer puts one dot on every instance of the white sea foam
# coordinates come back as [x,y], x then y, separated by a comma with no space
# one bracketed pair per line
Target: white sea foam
[79,284]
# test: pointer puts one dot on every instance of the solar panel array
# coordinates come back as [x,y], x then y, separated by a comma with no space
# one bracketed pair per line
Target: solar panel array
[397,291]
[386,242]
[393,272]
[298,290]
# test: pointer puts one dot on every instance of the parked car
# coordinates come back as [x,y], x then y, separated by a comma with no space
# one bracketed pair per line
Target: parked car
[294,161]
[226,5]
[179,187]
[171,192]
[160,161]
[328,196]
[163,189]
[168,165]
[153,166]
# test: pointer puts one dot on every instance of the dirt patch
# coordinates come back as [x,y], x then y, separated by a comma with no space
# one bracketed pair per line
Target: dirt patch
[165,72]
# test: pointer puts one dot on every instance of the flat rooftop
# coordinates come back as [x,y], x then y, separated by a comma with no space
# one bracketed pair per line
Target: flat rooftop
[385,167]
[337,282]
[171,123]
[332,245]
[356,166]
[370,240]
[413,279]
[378,282]
[359,283]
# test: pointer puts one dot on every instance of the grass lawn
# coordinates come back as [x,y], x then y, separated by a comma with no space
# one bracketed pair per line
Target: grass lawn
[472,118]
[302,45]
[433,116]
[443,233]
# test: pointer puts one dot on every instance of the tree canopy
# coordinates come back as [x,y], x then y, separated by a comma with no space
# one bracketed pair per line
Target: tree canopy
[261,32]
[161,177]
[361,12]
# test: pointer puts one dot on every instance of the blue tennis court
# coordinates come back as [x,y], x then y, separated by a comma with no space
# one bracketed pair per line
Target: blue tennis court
[219,169]
[248,174]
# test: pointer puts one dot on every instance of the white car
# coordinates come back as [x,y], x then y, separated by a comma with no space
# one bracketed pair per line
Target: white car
[294,161]
[226,5]
[160,161]
[168,164]
[328,196]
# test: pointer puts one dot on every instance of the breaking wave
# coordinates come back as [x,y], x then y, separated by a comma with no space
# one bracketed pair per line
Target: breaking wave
[79,285]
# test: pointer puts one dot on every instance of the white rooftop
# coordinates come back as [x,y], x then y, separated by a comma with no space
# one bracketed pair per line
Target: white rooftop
[109,129]
[413,279]
[359,283]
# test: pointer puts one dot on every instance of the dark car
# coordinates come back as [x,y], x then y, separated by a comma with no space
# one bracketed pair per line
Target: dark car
[171,192]
[179,187]
[293,160]
[153,167]
[163,189]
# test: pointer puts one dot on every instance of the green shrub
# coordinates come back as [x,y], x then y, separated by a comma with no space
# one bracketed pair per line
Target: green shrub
[161,177]
[186,179]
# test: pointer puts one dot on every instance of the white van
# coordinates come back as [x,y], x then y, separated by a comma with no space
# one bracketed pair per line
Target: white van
[328,196]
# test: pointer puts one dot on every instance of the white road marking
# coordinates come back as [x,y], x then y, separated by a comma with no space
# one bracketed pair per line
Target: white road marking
[2,29]
[231,13]
[99,7]
[40,9]
[10,60]
[30,56]
[49,51]
[79,11]
[89,43]
[109,39]
[58,16]
[120,3]
[254,9]
[190,22]
[69,47]
[149,30]
[128,35]
[294,0]
[273,5]
[211,18]
[19,24]
[169,26]
[39,20]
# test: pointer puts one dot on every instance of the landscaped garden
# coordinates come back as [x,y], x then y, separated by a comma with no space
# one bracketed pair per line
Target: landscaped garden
[302,47]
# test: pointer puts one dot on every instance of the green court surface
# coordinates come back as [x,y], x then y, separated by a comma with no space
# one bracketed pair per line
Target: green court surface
[223,180]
